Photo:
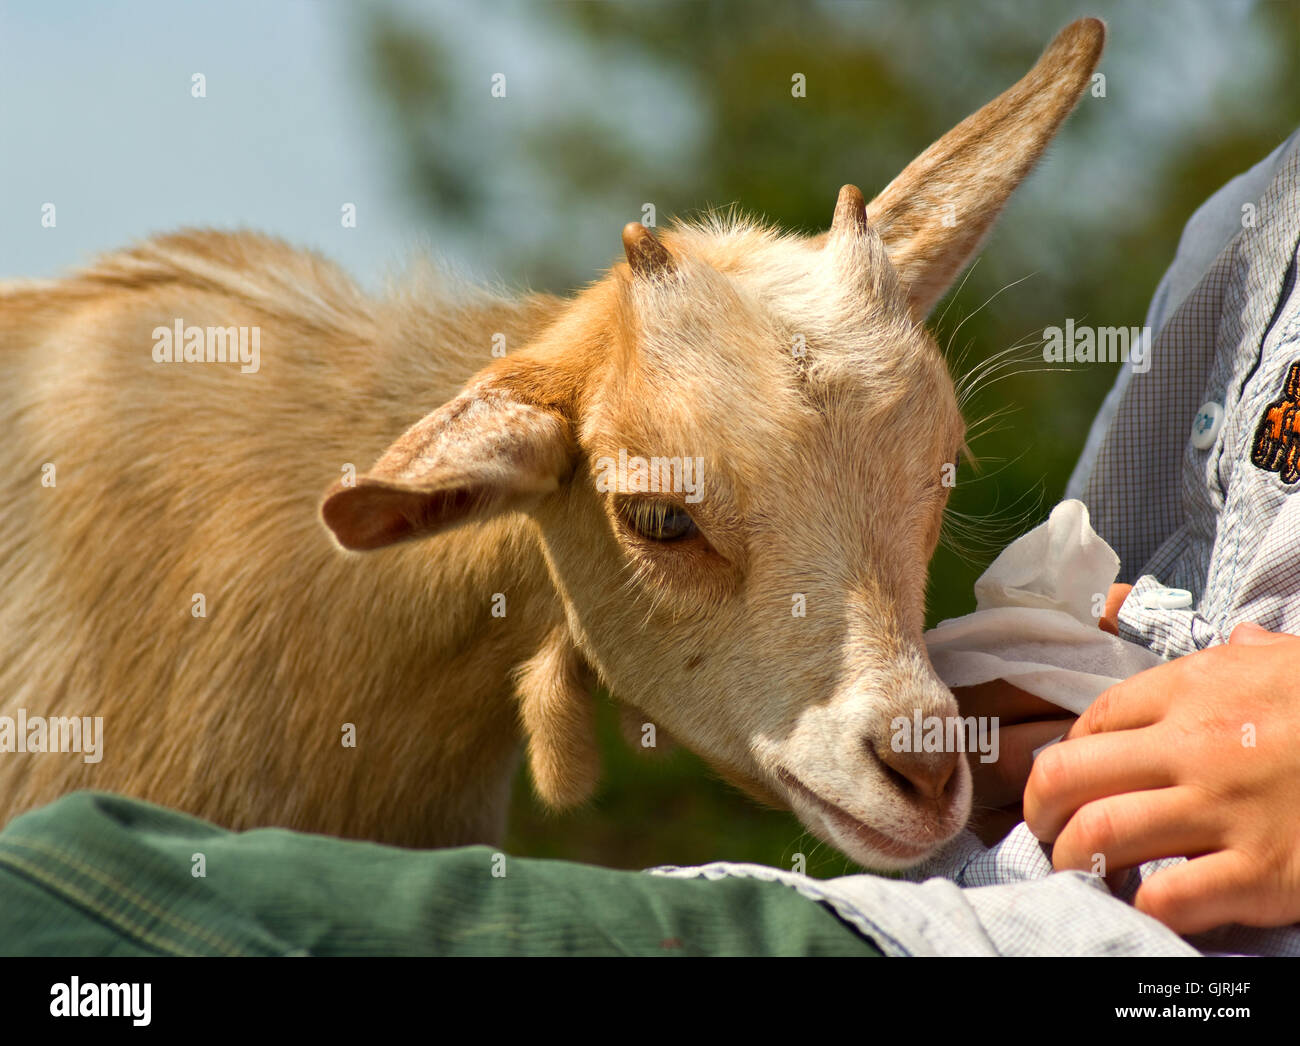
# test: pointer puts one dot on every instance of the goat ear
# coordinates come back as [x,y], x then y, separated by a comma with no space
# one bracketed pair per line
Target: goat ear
[484,453]
[934,215]
[559,720]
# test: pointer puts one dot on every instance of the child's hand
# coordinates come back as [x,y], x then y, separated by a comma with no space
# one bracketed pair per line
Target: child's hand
[1195,758]
[1025,722]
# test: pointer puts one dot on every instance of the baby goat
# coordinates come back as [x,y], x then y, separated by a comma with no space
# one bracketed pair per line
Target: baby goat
[711,481]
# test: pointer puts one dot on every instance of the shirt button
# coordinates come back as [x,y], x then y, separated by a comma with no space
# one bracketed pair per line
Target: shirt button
[1166,599]
[1205,429]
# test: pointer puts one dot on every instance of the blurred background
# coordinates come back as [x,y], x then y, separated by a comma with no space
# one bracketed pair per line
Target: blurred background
[388,106]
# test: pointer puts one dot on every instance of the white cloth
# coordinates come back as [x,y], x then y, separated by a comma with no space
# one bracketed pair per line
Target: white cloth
[1034,624]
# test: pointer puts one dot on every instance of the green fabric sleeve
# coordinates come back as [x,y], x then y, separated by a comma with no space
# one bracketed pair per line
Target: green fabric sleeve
[99,874]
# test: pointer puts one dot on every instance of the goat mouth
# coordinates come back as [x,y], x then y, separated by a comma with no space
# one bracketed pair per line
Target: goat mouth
[872,838]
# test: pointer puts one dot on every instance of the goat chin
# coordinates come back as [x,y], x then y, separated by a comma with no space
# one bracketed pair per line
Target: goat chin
[871,846]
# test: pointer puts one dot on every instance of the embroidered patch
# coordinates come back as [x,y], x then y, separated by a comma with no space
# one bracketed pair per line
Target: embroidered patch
[1277,439]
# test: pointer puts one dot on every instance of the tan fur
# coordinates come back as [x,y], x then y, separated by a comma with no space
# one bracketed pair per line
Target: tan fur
[821,477]
[558,718]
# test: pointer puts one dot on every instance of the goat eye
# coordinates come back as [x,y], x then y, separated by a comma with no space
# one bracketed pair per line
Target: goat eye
[657,520]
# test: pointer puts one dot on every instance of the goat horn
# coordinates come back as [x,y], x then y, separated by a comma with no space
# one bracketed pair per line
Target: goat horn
[850,213]
[646,255]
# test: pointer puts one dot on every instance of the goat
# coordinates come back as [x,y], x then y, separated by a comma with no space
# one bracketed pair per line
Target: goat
[164,565]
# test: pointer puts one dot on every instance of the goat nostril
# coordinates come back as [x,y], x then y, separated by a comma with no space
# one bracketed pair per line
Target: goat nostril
[926,773]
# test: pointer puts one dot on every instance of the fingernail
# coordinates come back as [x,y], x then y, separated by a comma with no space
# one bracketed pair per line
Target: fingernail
[1034,753]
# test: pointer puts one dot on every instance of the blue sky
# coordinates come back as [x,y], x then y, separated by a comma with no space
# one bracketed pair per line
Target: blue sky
[97,117]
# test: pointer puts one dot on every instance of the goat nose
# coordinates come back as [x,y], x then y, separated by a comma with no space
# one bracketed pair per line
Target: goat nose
[928,773]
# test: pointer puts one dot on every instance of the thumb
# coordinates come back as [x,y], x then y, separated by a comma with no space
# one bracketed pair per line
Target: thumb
[1250,634]
[1114,600]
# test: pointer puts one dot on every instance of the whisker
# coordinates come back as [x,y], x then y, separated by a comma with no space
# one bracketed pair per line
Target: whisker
[991,297]
[957,293]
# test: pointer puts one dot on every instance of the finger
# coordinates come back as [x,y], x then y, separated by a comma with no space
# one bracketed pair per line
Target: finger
[1124,831]
[1204,893]
[992,826]
[1004,700]
[1114,600]
[1138,701]
[1118,880]
[1074,772]
[1003,780]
